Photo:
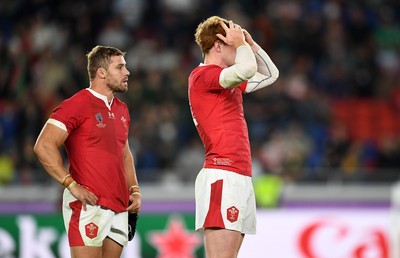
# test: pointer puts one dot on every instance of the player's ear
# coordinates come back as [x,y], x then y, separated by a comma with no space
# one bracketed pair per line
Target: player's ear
[101,72]
[217,45]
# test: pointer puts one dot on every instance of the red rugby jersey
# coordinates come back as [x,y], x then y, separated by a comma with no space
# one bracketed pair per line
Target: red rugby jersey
[219,118]
[97,136]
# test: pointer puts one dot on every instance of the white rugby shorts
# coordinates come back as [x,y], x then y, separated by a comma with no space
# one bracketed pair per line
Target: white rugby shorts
[91,227]
[225,199]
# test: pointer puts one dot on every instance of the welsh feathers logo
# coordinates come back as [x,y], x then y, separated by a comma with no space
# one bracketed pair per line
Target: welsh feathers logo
[124,122]
[232,214]
[91,230]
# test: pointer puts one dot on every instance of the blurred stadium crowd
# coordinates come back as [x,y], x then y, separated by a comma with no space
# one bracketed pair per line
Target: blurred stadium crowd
[334,113]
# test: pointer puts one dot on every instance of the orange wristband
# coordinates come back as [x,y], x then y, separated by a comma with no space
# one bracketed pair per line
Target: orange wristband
[65,178]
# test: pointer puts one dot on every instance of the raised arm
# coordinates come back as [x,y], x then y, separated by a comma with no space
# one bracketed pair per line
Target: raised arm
[267,72]
[245,64]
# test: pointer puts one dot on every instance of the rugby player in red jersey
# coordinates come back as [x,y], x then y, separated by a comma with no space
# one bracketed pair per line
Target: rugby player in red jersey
[234,64]
[101,181]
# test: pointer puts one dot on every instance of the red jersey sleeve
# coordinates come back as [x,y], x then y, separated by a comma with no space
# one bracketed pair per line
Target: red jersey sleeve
[211,81]
[69,113]
[243,86]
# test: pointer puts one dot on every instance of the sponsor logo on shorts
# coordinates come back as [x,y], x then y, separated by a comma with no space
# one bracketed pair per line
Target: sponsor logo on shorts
[232,214]
[91,230]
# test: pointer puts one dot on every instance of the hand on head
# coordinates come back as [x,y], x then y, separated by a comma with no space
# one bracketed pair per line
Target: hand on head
[248,37]
[234,34]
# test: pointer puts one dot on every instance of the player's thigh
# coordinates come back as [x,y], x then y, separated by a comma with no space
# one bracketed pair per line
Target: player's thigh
[111,249]
[222,243]
[86,252]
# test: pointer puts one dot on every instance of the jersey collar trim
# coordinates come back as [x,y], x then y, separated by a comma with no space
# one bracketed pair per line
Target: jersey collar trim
[102,97]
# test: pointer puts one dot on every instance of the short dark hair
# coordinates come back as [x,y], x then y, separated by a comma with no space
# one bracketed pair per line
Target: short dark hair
[99,57]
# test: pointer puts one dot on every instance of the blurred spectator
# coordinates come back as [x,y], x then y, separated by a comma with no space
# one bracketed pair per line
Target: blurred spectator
[268,190]
[388,153]
[6,169]
[190,160]
[387,37]
[114,33]
[286,152]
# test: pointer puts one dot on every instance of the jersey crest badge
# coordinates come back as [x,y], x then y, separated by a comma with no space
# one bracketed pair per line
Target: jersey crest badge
[99,118]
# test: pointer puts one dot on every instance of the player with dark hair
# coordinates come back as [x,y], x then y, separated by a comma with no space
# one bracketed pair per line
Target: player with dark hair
[101,186]
[233,65]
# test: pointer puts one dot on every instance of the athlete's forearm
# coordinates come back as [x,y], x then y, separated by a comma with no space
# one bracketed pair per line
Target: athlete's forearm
[130,171]
[244,68]
[131,180]
[129,165]
[266,74]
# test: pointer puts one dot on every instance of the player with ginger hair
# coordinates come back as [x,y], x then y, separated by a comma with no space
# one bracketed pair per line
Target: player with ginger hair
[234,64]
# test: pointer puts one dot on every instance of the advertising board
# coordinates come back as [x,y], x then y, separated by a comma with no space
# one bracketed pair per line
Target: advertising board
[283,233]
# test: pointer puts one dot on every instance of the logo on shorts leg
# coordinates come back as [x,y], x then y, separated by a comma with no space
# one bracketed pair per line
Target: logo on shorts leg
[232,214]
[91,230]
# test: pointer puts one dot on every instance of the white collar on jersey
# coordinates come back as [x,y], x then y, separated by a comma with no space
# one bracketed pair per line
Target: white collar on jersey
[102,97]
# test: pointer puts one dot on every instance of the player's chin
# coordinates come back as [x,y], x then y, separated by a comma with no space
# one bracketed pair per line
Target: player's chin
[122,88]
